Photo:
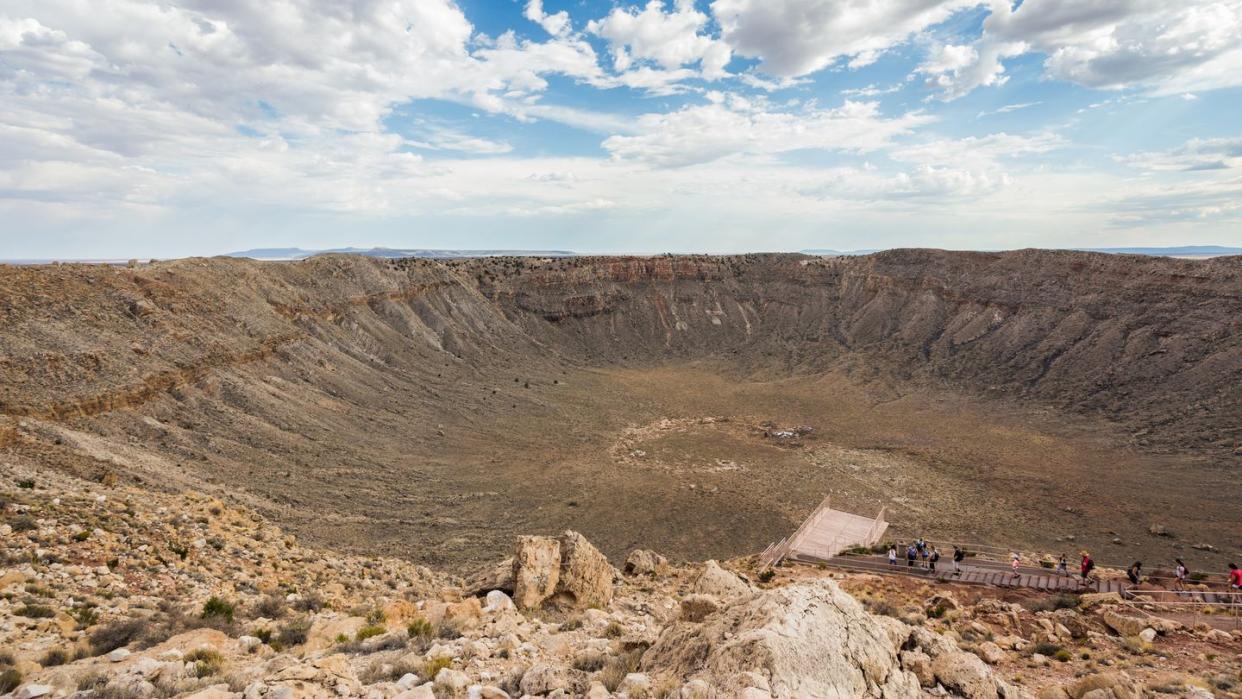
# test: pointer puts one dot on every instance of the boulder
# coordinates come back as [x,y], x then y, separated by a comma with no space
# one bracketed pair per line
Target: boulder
[536,570]
[567,571]
[1125,625]
[809,639]
[30,691]
[720,583]
[965,674]
[1111,685]
[498,601]
[1092,599]
[644,562]
[991,653]
[544,678]
[586,576]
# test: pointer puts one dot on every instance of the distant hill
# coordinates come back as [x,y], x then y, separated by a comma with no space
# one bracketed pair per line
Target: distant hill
[1183,251]
[300,254]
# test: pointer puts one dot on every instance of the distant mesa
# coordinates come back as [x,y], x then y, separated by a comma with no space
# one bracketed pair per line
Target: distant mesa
[300,254]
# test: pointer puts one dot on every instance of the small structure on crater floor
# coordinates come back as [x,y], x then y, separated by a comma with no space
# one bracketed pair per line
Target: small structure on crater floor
[826,533]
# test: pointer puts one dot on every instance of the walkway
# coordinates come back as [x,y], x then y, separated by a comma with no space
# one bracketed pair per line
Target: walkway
[974,572]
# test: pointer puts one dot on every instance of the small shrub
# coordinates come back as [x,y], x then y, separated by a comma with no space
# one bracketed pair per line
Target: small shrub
[218,608]
[294,633]
[766,575]
[264,635]
[116,634]
[54,657]
[1063,656]
[1048,649]
[590,662]
[617,668]
[7,659]
[375,616]
[26,484]
[1053,603]
[35,611]
[369,631]
[572,624]
[10,679]
[85,616]
[180,549]
[421,628]
[432,667]
[614,630]
[81,536]
[24,523]
[206,661]
[271,607]
[341,638]
[310,602]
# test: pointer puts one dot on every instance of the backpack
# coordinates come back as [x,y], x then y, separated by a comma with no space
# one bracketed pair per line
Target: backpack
[935,556]
[1090,565]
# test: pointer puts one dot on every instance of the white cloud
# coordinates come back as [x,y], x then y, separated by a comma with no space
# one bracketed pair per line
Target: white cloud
[739,126]
[1017,106]
[556,24]
[1196,155]
[1167,48]
[670,39]
[797,37]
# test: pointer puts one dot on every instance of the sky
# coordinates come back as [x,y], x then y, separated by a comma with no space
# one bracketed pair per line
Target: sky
[158,128]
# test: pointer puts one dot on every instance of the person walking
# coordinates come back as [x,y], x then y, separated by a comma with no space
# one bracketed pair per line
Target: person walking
[958,556]
[1086,567]
[1235,577]
[931,560]
[923,556]
[911,554]
[1135,572]
[1014,562]
[1180,573]
[892,555]
[1063,566]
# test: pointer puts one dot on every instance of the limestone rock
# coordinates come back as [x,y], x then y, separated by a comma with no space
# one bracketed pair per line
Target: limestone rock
[586,576]
[536,570]
[720,583]
[544,678]
[808,639]
[1125,625]
[645,562]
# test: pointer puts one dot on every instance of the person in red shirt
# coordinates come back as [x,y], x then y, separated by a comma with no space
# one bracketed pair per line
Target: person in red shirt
[1235,576]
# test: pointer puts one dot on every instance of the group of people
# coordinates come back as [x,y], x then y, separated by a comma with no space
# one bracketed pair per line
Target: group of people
[924,555]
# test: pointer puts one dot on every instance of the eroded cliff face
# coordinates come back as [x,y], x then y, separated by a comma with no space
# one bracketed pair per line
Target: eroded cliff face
[1155,344]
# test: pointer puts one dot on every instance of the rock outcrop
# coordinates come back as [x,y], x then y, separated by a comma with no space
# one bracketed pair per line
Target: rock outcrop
[813,640]
[567,572]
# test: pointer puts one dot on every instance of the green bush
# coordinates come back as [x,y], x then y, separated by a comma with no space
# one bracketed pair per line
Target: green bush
[216,607]
[369,631]
[206,661]
[432,667]
[116,634]
[54,657]
[26,484]
[293,634]
[82,536]
[24,523]
[1063,655]
[421,628]
[10,679]
[35,611]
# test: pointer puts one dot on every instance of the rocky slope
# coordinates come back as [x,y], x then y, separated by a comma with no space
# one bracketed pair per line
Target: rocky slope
[1153,343]
[110,592]
[435,409]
